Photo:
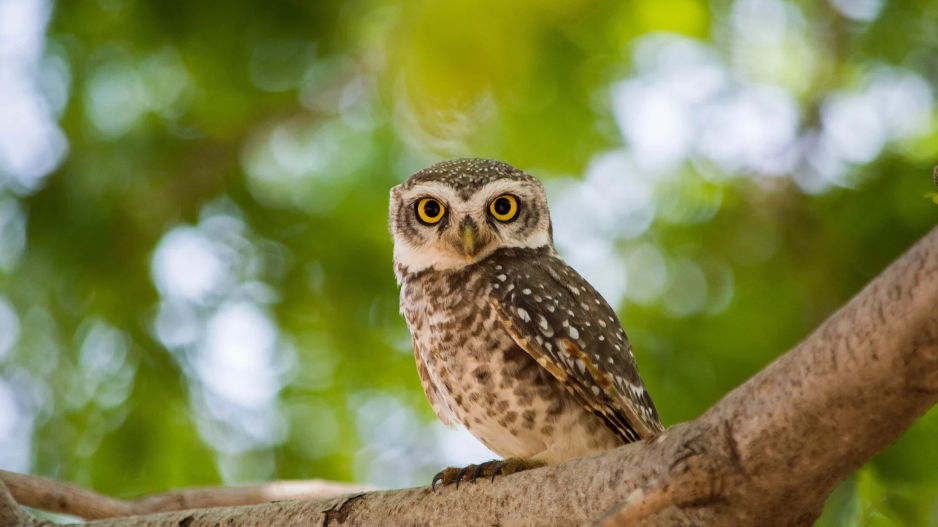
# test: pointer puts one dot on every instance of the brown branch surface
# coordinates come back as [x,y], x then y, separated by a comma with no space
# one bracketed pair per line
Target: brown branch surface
[769,453]
[64,498]
[11,515]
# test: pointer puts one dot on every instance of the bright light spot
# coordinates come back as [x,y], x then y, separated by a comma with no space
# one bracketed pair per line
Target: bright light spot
[862,10]
[654,122]
[688,291]
[164,79]
[103,350]
[16,431]
[824,165]
[771,44]
[108,376]
[177,324]
[753,129]
[115,98]
[648,272]
[235,360]
[307,164]
[903,100]
[188,265]
[683,99]
[22,29]
[31,143]
[212,318]
[721,286]
[615,196]
[688,69]
[762,21]
[614,200]
[599,262]
[852,125]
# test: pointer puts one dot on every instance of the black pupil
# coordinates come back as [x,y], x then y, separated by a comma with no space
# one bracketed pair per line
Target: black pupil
[431,209]
[502,206]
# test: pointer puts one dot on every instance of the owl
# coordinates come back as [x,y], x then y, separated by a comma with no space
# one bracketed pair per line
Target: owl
[509,341]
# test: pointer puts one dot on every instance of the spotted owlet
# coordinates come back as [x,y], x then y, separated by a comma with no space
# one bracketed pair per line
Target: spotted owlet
[509,340]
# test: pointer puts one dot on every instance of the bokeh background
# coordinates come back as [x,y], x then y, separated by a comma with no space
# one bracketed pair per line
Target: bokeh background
[195,275]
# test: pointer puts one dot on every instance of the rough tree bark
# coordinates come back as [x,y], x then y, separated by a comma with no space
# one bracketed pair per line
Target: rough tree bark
[769,453]
[64,498]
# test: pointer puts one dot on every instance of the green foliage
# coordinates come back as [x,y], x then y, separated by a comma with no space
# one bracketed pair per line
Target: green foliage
[200,289]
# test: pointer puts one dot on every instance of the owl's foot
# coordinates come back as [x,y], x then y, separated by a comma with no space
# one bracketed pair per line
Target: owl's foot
[489,468]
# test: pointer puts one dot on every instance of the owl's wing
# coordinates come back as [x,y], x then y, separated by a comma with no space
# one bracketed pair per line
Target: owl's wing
[437,402]
[559,319]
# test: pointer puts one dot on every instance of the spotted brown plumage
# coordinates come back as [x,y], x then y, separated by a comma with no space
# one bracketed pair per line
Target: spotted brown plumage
[570,330]
[510,341]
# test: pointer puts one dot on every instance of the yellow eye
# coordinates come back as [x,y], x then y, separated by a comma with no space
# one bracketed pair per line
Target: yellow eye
[504,208]
[430,211]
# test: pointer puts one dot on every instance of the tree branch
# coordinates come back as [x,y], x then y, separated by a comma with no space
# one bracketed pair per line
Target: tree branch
[641,504]
[64,498]
[769,453]
[11,515]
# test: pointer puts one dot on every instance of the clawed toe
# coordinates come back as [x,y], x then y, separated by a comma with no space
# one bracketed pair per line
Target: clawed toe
[445,476]
[482,468]
[462,472]
[489,468]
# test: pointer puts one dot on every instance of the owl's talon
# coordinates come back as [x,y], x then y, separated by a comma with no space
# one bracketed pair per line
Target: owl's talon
[489,468]
[462,472]
[445,477]
[481,469]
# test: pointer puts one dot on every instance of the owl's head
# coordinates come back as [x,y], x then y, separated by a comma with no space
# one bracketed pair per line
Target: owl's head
[458,212]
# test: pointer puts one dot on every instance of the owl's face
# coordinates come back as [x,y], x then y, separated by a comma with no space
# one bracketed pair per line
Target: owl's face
[456,213]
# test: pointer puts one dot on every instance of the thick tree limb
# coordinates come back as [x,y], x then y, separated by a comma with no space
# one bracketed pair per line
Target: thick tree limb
[11,515]
[64,498]
[642,503]
[769,453]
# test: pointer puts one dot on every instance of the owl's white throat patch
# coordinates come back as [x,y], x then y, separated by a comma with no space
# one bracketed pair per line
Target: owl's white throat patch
[417,259]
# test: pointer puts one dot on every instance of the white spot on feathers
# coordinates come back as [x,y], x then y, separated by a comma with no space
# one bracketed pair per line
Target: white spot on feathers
[523,315]
[574,334]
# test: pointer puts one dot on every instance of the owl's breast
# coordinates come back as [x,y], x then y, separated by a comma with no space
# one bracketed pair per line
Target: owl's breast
[448,314]
[488,383]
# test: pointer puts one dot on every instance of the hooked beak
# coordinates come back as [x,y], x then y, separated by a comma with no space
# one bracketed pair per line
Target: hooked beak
[469,236]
